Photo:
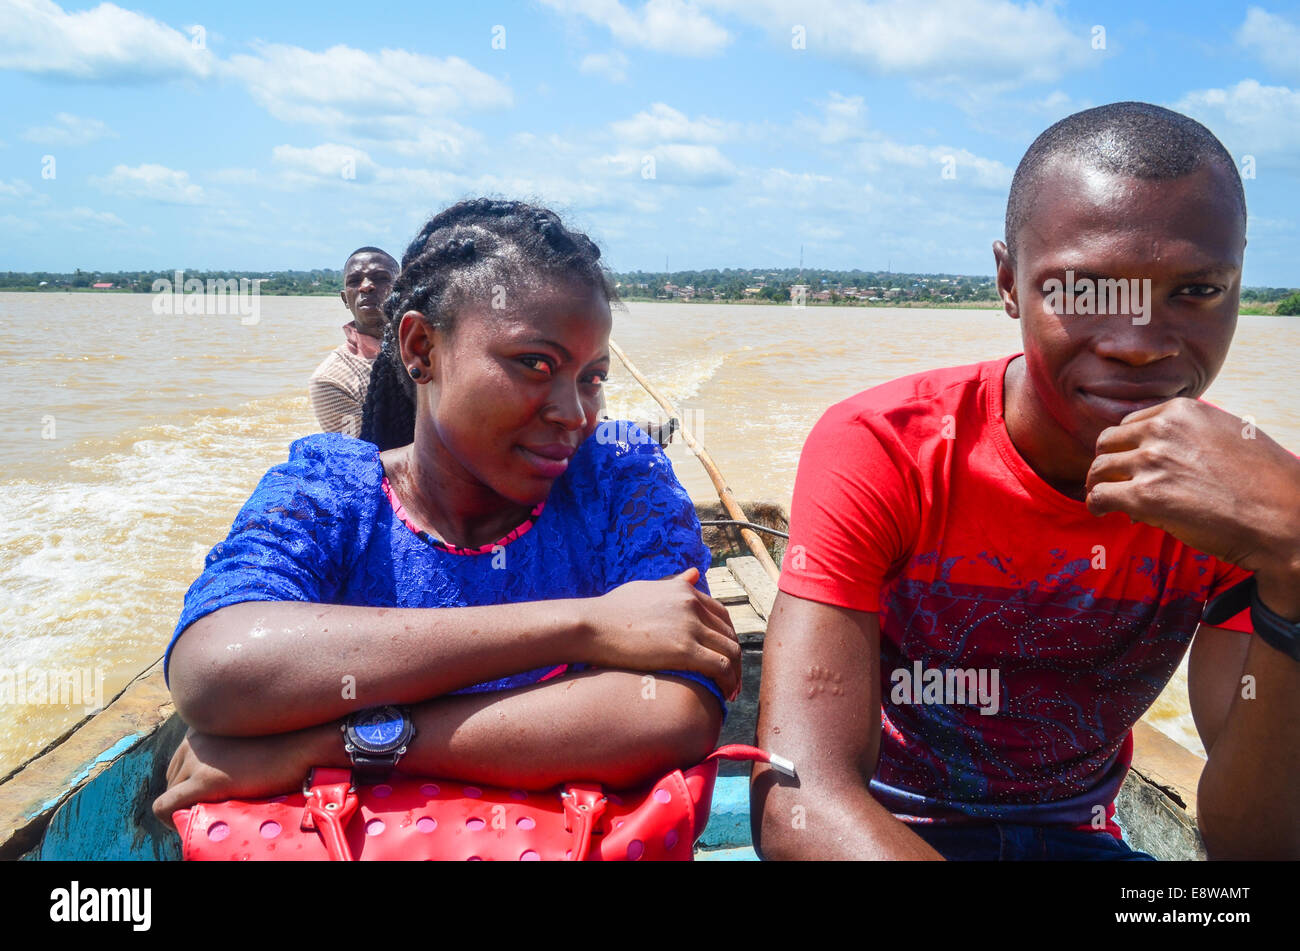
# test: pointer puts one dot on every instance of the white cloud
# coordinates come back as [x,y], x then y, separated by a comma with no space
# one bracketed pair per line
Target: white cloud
[844,120]
[666,26]
[69,130]
[324,164]
[350,88]
[82,218]
[103,44]
[662,123]
[1272,39]
[779,181]
[14,188]
[667,146]
[816,232]
[989,42]
[12,223]
[554,143]
[694,165]
[964,166]
[611,65]
[1250,118]
[433,140]
[1055,101]
[428,185]
[152,183]
[236,176]
[669,164]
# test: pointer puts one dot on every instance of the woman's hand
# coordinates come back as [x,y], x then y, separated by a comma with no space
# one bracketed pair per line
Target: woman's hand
[664,625]
[207,768]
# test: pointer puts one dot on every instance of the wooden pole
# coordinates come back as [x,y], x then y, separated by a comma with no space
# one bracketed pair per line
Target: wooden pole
[755,544]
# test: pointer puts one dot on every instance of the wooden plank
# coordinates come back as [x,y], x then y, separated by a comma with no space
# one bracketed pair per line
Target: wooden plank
[746,620]
[29,796]
[717,576]
[724,586]
[1154,823]
[754,579]
[1168,764]
[730,594]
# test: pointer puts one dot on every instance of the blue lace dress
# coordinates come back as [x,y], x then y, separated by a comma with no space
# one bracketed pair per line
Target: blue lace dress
[320,528]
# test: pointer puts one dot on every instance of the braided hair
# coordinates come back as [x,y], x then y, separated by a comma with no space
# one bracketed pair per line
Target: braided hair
[458,255]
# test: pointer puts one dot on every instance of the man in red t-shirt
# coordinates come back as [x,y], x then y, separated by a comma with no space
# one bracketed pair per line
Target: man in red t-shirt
[993,570]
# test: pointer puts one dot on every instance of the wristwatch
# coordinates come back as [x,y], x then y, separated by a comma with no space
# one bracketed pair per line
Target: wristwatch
[375,739]
[1275,630]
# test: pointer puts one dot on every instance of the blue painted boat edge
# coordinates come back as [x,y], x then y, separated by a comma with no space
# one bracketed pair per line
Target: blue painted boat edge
[110,817]
[727,837]
[110,754]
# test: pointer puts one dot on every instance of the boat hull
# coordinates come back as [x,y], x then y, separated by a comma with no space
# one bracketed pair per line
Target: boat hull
[90,795]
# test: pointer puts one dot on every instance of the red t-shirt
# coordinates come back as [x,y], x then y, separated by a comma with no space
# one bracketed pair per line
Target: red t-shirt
[1021,636]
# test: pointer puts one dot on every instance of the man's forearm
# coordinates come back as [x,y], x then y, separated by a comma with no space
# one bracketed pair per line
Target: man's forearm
[828,821]
[618,728]
[1247,799]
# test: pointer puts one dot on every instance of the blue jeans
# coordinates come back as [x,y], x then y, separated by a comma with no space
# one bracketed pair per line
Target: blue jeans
[1001,841]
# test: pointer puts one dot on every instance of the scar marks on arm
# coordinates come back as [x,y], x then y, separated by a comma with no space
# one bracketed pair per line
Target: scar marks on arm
[823,680]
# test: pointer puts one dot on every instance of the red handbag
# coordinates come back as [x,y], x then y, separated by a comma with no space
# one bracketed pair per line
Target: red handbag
[413,818]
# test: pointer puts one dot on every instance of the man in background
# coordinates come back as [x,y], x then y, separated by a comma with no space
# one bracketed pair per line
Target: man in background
[338,386]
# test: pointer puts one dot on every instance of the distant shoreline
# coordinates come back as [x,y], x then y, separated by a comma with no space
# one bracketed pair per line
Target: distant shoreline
[129,290]
[1250,310]
[927,305]
[1254,310]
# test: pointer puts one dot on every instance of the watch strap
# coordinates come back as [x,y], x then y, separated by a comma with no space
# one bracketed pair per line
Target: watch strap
[1274,630]
[1229,603]
[368,769]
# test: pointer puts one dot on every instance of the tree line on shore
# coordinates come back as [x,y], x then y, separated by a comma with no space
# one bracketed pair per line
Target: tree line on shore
[767,285]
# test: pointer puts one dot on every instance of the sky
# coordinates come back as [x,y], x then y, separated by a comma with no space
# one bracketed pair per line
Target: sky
[692,133]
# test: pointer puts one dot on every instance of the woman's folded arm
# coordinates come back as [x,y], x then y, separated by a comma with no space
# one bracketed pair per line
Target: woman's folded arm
[262,667]
[618,728]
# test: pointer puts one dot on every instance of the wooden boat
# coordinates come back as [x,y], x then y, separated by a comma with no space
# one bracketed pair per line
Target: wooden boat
[89,795]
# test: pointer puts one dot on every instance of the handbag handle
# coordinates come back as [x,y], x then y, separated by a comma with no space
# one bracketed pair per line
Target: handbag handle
[584,803]
[752,754]
[332,801]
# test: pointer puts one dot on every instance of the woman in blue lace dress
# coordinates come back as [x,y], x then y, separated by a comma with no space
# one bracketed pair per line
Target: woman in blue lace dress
[527,589]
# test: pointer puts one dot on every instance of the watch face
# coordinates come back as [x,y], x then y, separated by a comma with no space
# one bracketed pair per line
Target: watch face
[379,730]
